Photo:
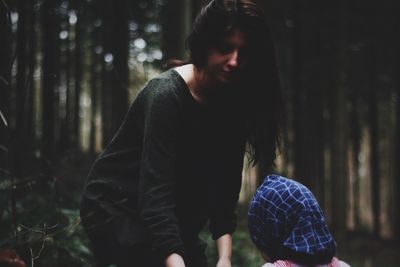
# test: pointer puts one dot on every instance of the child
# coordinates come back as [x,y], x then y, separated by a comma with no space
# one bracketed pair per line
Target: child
[288,226]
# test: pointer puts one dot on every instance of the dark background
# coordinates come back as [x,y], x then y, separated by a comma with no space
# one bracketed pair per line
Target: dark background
[69,69]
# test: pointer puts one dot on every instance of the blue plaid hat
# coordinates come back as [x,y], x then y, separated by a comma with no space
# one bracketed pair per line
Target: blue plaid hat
[286,222]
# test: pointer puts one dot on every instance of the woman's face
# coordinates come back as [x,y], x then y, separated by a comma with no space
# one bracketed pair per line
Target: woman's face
[227,57]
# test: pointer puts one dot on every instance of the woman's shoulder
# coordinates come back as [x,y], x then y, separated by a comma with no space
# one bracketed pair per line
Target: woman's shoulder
[166,84]
[166,79]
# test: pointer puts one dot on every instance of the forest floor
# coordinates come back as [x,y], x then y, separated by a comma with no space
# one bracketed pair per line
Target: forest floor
[67,245]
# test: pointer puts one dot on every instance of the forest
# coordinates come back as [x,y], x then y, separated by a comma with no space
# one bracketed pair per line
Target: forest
[70,68]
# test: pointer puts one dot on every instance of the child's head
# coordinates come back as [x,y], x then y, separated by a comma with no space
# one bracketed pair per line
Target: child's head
[286,223]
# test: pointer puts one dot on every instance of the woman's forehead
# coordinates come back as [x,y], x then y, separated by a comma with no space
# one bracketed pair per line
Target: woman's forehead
[235,36]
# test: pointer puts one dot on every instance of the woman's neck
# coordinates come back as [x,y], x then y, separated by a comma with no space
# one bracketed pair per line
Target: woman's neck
[197,82]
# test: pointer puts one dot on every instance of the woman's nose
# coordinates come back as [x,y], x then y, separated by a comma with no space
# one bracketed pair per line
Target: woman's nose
[233,60]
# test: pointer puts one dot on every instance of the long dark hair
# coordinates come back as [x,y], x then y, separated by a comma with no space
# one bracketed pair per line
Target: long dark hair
[260,81]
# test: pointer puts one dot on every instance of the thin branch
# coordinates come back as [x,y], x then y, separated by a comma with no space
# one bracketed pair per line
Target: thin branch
[32,258]
[3,119]
[4,149]
[4,80]
[5,4]
[72,227]
[40,231]
[42,247]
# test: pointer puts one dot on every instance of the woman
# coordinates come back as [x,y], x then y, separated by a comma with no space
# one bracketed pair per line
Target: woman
[175,164]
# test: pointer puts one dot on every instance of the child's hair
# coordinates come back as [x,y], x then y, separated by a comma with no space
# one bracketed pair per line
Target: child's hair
[286,223]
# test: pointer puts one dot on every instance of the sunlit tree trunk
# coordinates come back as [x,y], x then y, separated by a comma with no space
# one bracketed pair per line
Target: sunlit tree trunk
[95,73]
[373,117]
[374,160]
[396,150]
[32,52]
[65,129]
[355,139]
[78,73]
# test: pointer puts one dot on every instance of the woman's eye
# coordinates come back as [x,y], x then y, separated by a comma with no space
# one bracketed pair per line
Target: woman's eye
[223,48]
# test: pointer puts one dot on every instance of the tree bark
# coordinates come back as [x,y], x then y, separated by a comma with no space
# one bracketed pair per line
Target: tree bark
[20,147]
[115,43]
[397,155]
[339,128]
[178,19]
[5,78]
[95,73]
[65,129]
[50,81]
[75,138]
[308,105]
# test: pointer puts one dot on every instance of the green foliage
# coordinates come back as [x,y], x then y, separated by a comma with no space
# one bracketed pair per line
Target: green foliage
[244,253]
[47,233]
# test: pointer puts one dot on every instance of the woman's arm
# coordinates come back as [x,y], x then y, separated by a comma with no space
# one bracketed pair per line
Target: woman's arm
[224,246]
[174,260]
[157,181]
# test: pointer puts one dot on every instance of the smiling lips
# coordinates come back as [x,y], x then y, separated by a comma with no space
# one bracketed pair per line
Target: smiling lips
[228,73]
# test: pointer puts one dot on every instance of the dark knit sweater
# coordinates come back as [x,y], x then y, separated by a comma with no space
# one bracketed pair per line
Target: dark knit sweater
[173,166]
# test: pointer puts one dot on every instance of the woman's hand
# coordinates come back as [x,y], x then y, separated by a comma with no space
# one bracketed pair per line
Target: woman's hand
[174,260]
[224,262]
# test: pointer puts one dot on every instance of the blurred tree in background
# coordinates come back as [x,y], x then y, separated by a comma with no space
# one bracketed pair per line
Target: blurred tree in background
[70,68]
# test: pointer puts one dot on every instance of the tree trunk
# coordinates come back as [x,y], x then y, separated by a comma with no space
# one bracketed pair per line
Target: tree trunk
[95,73]
[115,77]
[355,138]
[397,155]
[178,19]
[75,138]
[374,160]
[373,103]
[31,130]
[19,150]
[65,131]
[120,73]
[309,101]
[338,163]
[339,129]
[50,81]
[5,78]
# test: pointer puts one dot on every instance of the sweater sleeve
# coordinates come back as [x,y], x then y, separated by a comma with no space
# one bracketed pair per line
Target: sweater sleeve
[158,174]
